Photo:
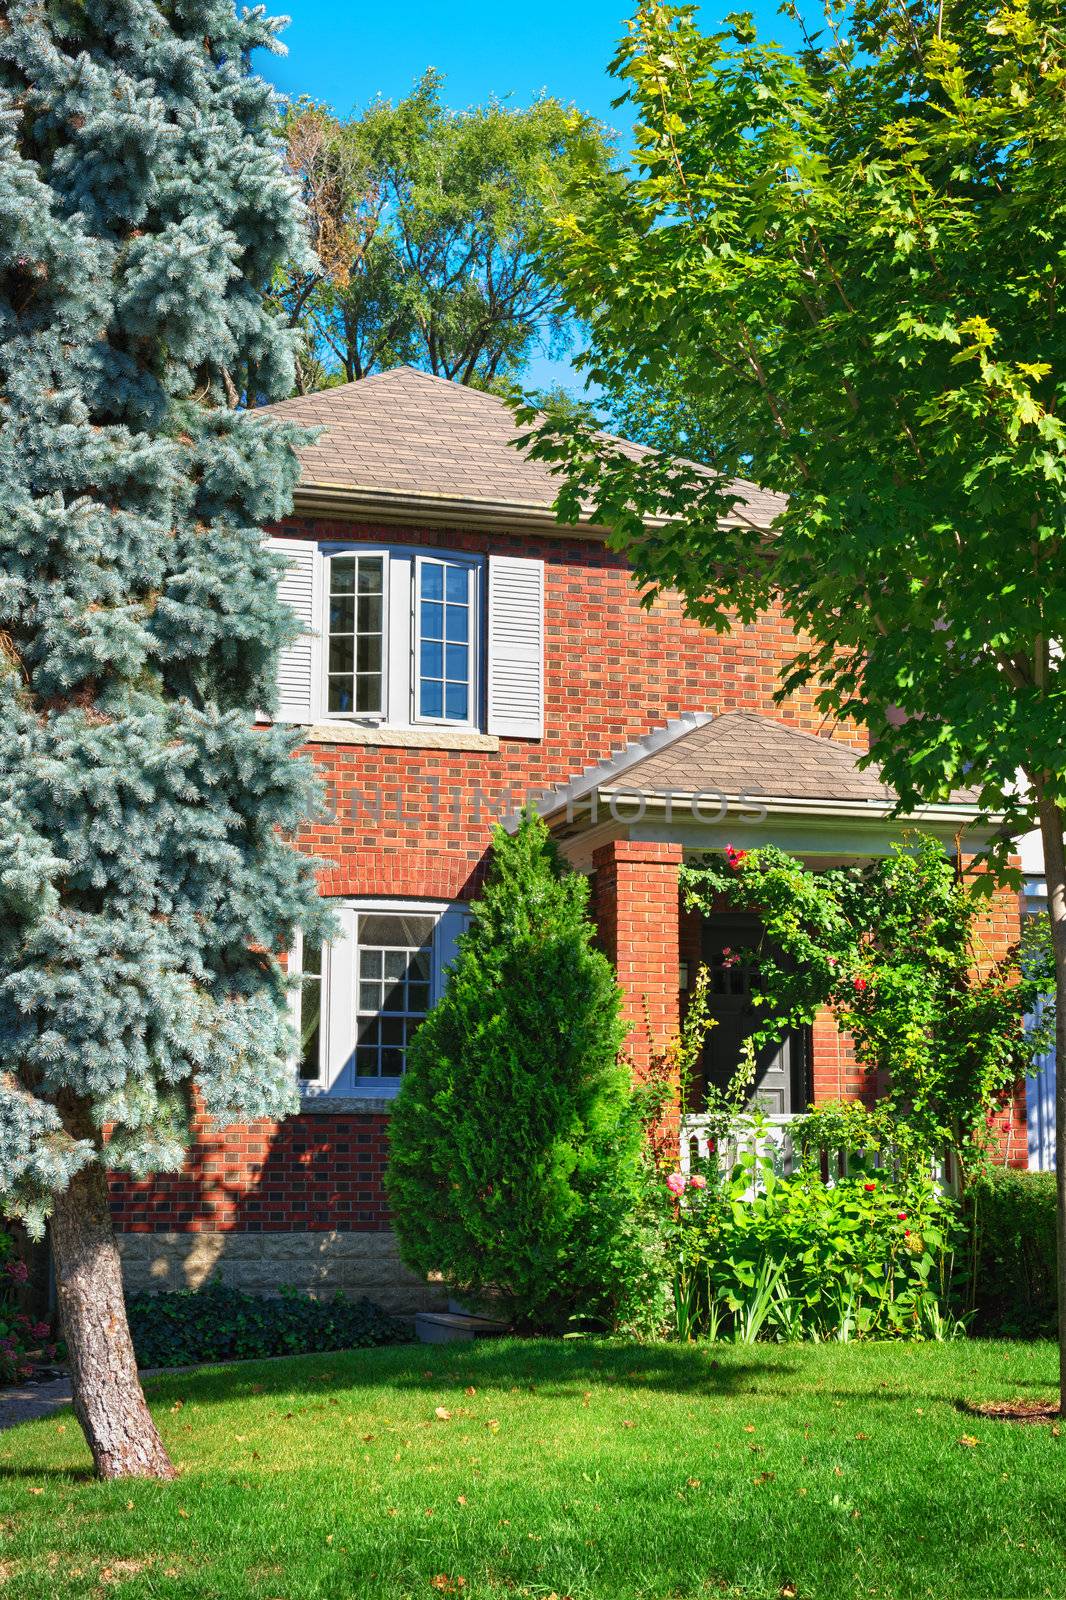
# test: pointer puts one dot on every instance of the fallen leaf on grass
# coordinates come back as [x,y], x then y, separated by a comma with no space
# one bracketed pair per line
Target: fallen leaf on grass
[492,1425]
[968,1440]
[692,1483]
[788,1591]
[183,1513]
[764,1477]
[862,1436]
[443,1414]
[177,1405]
[749,1428]
[31,1490]
[460,1499]
[629,1424]
[470,1389]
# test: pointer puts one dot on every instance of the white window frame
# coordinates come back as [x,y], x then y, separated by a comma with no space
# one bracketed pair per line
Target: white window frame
[474,587]
[339,993]
[401,652]
[329,555]
[296,972]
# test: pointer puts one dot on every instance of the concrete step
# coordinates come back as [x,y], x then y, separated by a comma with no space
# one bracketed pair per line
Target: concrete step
[441,1327]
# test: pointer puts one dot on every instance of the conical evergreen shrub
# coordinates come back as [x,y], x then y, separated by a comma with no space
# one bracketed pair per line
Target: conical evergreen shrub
[517,1145]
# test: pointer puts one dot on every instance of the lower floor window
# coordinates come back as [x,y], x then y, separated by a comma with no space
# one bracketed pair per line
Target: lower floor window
[360,999]
[395,976]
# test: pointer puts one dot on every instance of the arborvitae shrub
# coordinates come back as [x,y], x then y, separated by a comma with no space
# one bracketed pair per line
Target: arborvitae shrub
[517,1145]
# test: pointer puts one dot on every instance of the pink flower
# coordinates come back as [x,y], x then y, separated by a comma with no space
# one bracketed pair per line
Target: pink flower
[734,856]
[18,1270]
[41,1330]
[698,1182]
[676,1183]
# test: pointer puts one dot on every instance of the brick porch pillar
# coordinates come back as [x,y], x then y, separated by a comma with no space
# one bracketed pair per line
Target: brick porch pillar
[637,911]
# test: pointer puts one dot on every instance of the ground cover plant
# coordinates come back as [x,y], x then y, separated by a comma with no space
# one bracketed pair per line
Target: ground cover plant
[220,1323]
[600,1471]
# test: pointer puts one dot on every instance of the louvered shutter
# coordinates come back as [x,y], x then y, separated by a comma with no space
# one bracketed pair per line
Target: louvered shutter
[516,647]
[296,664]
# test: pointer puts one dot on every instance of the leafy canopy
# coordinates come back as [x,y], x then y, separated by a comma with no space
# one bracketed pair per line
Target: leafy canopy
[839,273]
[426,223]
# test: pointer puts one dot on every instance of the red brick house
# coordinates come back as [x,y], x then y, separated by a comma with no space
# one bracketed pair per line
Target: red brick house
[462,651]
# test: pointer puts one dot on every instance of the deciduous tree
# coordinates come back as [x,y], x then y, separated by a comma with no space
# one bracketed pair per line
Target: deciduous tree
[847,266]
[426,224]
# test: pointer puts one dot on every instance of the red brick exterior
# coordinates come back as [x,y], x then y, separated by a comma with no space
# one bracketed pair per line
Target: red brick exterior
[406,822]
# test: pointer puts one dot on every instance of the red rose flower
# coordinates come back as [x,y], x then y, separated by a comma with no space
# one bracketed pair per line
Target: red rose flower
[861,985]
[869,1187]
[901,1216]
[734,856]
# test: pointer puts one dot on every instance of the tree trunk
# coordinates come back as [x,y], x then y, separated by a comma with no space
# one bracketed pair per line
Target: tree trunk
[108,1400]
[1051,833]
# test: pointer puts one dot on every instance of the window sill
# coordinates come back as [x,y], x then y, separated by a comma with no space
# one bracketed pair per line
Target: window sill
[401,738]
[334,1105]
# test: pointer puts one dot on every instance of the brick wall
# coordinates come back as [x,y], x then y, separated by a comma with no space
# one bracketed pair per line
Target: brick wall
[408,822]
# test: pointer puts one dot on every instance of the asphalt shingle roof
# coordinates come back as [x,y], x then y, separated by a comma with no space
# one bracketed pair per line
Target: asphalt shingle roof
[408,432]
[741,752]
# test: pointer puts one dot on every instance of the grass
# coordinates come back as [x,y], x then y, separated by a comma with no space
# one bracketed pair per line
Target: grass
[599,1471]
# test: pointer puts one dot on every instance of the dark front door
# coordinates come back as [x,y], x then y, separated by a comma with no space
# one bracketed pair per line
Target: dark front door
[729,952]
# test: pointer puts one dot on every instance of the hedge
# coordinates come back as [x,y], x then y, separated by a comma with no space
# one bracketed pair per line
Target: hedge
[1014,1287]
[218,1323]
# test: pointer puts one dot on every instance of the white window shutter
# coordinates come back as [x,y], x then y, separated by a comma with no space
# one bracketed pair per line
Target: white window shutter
[516,647]
[296,664]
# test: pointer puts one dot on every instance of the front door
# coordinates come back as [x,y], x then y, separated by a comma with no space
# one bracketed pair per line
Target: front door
[729,952]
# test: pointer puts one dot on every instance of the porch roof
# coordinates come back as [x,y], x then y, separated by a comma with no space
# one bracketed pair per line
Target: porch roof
[742,752]
[752,779]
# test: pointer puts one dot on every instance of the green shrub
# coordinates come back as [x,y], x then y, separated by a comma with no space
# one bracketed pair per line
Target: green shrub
[517,1144]
[1013,1215]
[763,1256]
[217,1323]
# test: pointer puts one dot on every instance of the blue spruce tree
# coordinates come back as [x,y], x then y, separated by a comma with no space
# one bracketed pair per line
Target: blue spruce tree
[146,864]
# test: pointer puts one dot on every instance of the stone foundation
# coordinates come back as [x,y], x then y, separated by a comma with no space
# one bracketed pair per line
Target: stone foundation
[263,1263]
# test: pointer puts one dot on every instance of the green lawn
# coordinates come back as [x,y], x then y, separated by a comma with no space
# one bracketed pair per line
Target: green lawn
[591,1470]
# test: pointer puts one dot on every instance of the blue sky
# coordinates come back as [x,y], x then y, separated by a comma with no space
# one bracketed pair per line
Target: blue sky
[347,54]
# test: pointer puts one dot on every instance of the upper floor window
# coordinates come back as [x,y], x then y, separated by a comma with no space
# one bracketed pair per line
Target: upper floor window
[355,666]
[401,636]
[445,603]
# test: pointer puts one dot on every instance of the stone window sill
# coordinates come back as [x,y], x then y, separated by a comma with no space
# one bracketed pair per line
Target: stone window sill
[333,1105]
[401,738]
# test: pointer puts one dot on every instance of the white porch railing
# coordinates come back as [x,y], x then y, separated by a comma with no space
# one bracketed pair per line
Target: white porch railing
[769,1136]
[772,1137]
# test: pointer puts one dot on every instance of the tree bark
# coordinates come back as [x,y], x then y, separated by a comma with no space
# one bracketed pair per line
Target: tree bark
[108,1400]
[1051,833]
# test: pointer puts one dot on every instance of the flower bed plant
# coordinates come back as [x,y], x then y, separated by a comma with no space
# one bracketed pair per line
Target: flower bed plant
[24,1340]
[763,1256]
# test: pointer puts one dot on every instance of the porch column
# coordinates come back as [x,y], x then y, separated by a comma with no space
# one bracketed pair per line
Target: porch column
[637,910]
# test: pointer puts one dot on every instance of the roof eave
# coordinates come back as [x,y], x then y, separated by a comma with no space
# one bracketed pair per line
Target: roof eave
[741,806]
[365,503]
